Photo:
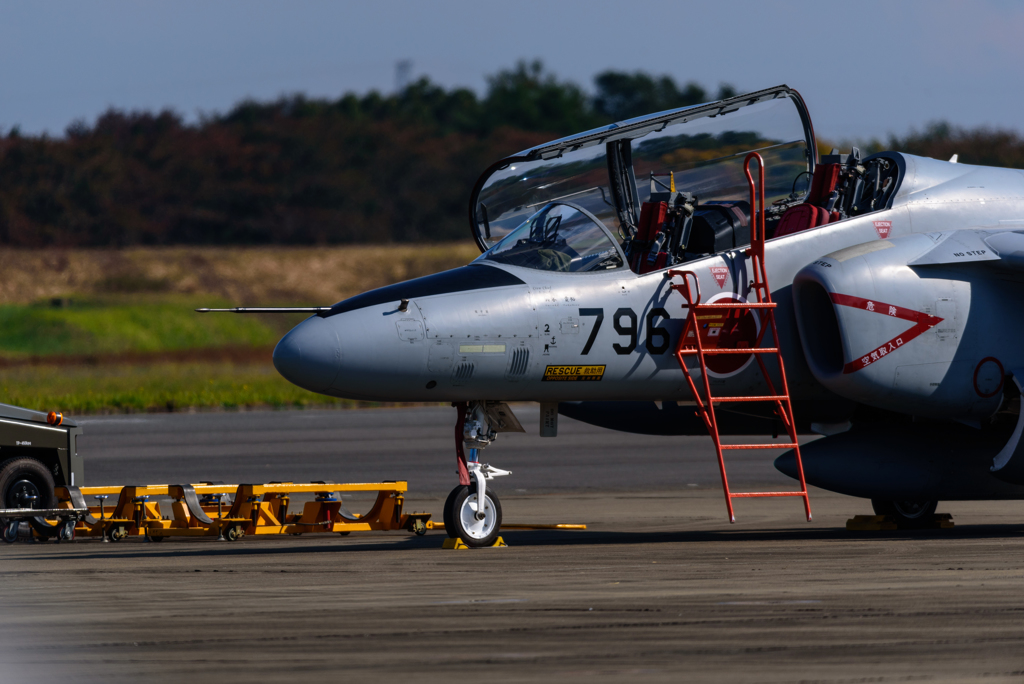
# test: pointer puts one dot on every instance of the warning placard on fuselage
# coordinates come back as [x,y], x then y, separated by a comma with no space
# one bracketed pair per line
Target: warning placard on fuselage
[573,373]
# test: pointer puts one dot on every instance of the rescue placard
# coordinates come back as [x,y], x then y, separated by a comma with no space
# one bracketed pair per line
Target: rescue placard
[573,373]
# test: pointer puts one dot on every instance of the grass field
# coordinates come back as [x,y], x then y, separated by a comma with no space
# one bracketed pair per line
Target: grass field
[94,331]
[156,387]
[112,325]
[243,276]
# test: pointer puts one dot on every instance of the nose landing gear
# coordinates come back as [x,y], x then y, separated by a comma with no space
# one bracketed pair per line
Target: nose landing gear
[472,511]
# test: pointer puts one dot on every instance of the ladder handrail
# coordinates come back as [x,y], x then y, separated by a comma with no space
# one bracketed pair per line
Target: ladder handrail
[757,235]
[684,289]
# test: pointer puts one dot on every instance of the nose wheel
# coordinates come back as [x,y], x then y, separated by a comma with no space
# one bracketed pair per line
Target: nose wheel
[465,519]
[472,511]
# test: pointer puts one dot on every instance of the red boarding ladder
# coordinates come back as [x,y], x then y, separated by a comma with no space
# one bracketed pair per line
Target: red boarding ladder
[706,405]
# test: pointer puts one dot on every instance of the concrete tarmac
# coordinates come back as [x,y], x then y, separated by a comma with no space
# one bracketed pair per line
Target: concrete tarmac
[659,588]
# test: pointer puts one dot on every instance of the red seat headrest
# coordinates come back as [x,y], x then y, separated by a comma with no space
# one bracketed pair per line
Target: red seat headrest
[801,217]
[652,217]
[823,183]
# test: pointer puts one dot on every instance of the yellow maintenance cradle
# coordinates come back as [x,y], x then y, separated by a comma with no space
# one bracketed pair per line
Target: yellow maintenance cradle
[233,511]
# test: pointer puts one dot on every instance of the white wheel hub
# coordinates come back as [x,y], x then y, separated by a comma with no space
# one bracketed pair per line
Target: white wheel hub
[477,529]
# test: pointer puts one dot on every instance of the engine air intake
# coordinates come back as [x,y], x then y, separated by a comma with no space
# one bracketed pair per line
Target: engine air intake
[819,327]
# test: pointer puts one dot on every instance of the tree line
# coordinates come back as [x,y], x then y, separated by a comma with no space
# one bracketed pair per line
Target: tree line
[298,170]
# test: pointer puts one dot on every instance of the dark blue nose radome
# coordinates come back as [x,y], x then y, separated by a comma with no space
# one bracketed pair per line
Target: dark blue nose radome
[310,355]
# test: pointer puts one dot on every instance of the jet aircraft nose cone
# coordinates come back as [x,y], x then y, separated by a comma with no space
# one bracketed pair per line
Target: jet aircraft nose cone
[310,355]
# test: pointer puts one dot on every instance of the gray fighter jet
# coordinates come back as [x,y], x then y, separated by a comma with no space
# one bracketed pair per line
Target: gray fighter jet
[895,279]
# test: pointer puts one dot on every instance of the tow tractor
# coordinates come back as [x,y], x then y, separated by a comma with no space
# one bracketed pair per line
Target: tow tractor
[38,453]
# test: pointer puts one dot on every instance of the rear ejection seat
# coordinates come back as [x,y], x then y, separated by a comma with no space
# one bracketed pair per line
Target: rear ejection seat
[812,213]
[652,221]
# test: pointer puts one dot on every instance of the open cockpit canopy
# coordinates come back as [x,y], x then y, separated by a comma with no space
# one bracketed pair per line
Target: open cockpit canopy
[610,172]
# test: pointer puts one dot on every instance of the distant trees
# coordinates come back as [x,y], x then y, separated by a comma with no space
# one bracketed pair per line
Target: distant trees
[290,172]
[624,96]
[371,168]
[985,146]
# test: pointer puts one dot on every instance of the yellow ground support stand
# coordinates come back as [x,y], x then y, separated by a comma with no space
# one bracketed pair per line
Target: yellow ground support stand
[458,544]
[200,510]
[879,523]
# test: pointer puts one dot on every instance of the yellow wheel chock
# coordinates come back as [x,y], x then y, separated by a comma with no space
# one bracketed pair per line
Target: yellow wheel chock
[458,544]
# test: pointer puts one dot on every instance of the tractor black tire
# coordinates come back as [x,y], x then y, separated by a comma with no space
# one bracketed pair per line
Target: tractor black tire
[481,534]
[449,520]
[907,514]
[24,476]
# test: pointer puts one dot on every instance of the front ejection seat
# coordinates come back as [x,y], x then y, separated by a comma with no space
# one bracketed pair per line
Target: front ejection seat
[812,212]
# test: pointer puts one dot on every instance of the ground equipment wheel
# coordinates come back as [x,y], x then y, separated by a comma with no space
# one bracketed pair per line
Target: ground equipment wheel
[473,532]
[11,531]
[234,533]
[66,531]
[26,483]
[118,533]
[906,513]
[448,511]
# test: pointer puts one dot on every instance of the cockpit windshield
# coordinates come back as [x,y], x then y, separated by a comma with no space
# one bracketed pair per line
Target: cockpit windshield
[560,237]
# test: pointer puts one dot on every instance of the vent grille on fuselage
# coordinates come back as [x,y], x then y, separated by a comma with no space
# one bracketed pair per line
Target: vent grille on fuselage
[518,362]
[462,373]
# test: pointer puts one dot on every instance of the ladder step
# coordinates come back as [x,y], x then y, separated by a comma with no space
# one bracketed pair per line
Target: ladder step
[737,305]
[743,350]
[751,495]
[760,446]
[767,397]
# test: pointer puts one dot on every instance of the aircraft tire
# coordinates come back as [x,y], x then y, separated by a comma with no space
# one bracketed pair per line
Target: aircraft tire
[476,533]
[907,514]
[449,518]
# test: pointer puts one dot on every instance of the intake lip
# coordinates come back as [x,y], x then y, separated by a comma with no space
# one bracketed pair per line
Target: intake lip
[820,334]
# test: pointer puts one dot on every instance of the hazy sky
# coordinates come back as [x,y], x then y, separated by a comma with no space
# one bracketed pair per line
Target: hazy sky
[865,68]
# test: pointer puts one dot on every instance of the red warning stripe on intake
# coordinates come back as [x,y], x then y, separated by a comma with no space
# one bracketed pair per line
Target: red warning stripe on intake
[922,322]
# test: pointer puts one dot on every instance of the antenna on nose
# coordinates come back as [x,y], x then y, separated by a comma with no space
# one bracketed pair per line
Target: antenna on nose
[269,309]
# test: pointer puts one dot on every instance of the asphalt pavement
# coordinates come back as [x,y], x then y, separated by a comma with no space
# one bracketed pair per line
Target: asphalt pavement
[659,588]
[413,444]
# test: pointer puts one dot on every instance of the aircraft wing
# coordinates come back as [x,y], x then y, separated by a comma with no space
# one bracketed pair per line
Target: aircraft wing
[975,245]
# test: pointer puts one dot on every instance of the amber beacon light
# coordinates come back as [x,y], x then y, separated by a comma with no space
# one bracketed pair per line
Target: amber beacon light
[54,417]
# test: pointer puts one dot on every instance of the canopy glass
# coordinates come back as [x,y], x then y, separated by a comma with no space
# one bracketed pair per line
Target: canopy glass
[608,171]
[559,237]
